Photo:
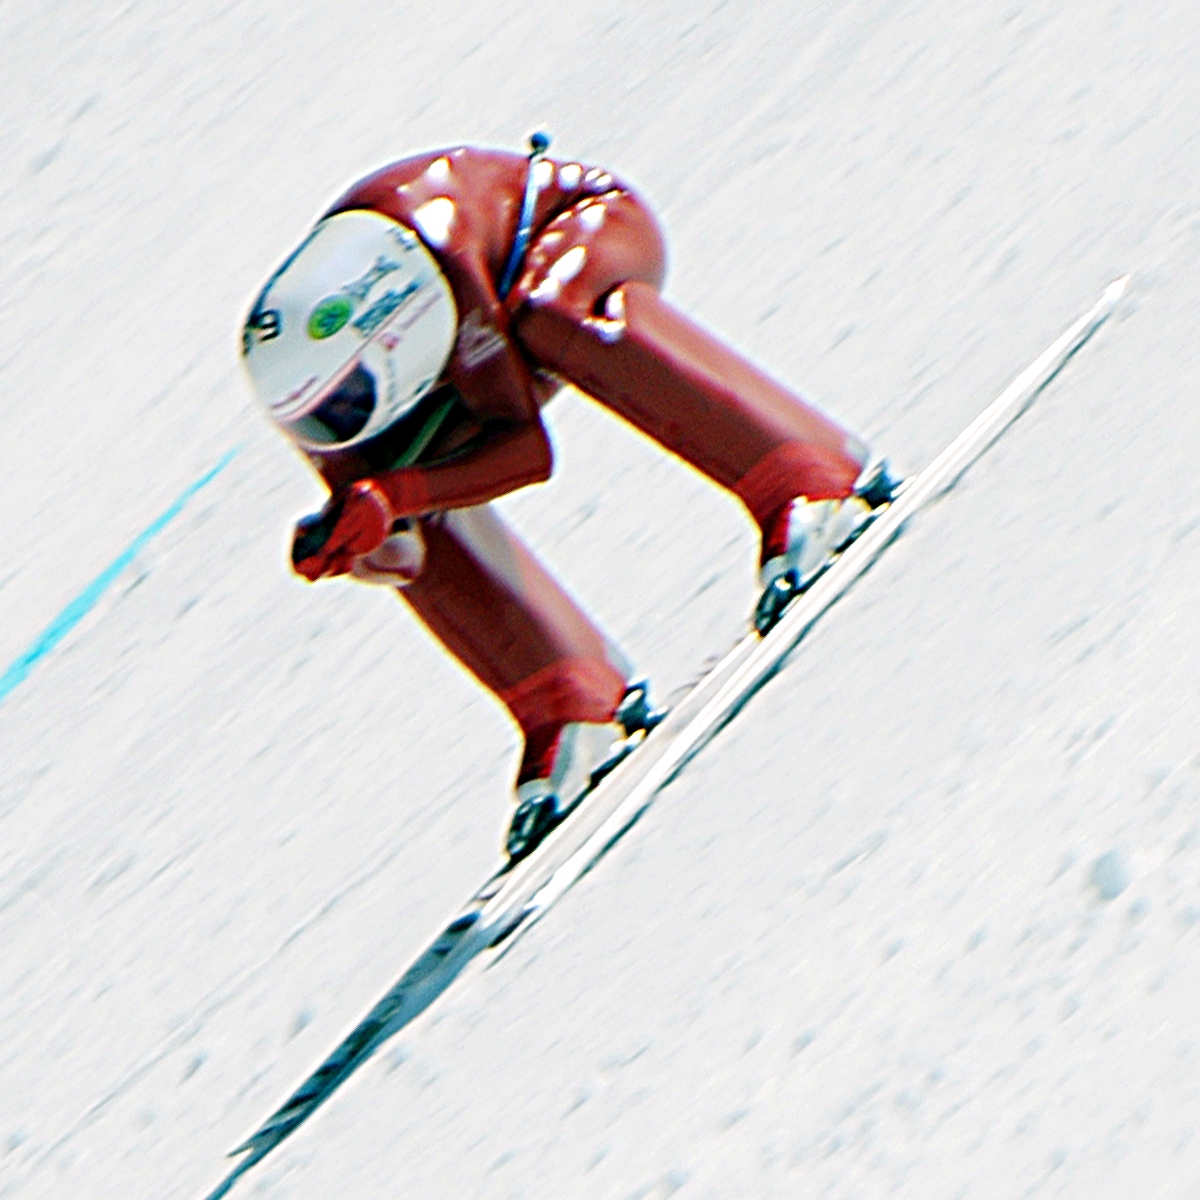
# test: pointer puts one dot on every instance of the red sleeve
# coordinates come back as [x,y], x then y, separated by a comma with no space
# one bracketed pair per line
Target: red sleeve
[509,460]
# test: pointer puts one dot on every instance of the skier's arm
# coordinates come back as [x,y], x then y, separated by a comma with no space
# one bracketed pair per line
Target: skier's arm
[503,460]
[359,518]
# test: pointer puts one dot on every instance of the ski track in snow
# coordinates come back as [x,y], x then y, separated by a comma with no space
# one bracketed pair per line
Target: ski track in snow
[922,921]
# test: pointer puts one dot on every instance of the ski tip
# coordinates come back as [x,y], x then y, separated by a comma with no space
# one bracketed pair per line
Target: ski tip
[1116,290]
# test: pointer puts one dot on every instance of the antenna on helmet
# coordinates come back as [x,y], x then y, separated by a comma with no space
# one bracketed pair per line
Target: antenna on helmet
[539,143]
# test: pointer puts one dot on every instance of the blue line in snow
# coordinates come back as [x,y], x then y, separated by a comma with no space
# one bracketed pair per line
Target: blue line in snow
[70,616]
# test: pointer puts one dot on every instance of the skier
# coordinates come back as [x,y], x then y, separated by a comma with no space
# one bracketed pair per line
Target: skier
[407,347]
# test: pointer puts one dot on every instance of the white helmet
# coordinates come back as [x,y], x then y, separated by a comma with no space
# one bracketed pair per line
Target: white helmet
[351,331]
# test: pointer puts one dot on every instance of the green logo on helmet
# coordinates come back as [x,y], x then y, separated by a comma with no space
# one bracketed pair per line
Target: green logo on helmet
[329,316]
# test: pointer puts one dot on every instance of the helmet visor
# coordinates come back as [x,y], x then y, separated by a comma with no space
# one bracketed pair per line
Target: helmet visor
[343,414]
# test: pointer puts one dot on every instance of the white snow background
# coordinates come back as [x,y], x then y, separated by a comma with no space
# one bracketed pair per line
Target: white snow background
[923,921]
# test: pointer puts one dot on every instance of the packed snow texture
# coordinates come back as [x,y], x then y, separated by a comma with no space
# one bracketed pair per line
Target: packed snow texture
[922,921]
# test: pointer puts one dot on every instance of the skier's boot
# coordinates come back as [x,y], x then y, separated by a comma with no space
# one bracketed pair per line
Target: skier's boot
[561,766]
[810,534]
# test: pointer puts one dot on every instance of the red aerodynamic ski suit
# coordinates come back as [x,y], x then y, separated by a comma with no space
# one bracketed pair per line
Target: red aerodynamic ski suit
[585,308]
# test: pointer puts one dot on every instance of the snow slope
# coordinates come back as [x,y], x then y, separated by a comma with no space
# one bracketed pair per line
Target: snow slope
[922,921]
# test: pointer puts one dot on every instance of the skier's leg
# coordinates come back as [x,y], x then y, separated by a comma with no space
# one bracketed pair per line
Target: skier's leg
[487,599]
[591,312]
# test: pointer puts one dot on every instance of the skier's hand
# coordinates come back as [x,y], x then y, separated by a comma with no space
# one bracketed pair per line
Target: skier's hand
[398,561]
[353,523]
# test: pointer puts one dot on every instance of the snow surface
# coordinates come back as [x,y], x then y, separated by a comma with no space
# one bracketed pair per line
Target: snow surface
[925,920]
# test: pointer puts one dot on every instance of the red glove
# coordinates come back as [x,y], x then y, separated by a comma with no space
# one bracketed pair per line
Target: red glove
[355,522]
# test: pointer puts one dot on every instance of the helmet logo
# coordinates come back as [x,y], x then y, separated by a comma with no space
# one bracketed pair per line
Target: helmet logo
[333,312]
[360,287]
[329,316]
[383,308]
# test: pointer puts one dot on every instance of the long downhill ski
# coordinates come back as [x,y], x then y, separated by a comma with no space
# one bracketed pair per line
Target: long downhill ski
[512,899]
